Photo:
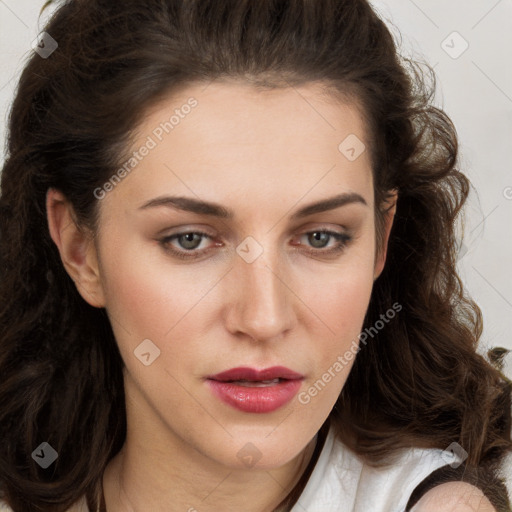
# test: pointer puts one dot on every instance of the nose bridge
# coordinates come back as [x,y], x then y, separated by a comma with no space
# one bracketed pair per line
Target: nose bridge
[263,308]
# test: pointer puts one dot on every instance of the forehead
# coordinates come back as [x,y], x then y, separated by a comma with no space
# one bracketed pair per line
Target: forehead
[227,140]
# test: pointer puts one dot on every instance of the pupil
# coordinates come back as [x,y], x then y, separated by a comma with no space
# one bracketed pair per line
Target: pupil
[317,236]
[189,238]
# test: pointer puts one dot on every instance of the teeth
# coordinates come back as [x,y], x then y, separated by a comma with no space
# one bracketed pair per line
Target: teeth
[256,384]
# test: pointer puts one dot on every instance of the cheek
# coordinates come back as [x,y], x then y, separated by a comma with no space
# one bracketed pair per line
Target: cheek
[341,299]
[343,307]
[147,294]
[341,294]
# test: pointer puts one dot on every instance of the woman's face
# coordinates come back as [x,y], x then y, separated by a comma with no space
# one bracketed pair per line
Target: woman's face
[261,287]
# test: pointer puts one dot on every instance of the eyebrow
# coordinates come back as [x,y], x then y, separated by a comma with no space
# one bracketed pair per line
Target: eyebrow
[200,207]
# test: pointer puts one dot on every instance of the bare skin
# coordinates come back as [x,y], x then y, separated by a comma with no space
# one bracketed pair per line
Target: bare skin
[454,497]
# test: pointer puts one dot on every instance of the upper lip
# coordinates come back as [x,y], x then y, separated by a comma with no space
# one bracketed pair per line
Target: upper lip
[251,374]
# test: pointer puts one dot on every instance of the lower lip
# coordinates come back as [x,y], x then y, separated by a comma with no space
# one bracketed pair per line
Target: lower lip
[252,399]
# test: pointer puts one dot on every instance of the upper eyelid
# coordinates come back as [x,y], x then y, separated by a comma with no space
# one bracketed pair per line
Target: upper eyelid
[204,232]
[314,226]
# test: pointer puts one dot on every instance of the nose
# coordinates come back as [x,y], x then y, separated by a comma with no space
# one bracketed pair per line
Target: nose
[261,305]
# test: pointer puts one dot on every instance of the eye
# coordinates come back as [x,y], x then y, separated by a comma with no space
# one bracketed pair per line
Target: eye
[188,244]
[320,238]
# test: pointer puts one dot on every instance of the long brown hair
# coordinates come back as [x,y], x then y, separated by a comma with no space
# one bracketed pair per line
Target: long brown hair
[420,382]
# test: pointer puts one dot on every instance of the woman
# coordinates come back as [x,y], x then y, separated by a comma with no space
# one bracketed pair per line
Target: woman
[228,270]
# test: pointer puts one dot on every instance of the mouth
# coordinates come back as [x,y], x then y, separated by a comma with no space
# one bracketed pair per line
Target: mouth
[255,383]
[256,391]
[268,376]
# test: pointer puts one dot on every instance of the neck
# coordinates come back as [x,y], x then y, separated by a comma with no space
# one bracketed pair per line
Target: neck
[159,471]
[130,487]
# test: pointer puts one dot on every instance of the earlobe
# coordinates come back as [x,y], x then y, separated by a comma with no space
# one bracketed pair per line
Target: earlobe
[390,210]
[76,248]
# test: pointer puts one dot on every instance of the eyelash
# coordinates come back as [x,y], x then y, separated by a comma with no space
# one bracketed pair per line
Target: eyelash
[343,241]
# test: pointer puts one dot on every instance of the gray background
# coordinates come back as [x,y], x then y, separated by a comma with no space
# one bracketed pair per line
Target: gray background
[475,89]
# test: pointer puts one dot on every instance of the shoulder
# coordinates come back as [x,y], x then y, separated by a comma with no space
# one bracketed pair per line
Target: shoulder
[454,497]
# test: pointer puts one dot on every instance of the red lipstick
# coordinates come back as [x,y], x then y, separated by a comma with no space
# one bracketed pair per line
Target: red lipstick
[256,391]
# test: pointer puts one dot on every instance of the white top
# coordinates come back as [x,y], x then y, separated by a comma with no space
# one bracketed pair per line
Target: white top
[341,481]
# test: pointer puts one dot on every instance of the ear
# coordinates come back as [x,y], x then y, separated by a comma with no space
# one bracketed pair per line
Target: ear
[389,216]
[76,248]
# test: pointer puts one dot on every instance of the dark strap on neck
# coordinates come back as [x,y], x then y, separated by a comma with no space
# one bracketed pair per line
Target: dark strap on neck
[296,492]
[485,479]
